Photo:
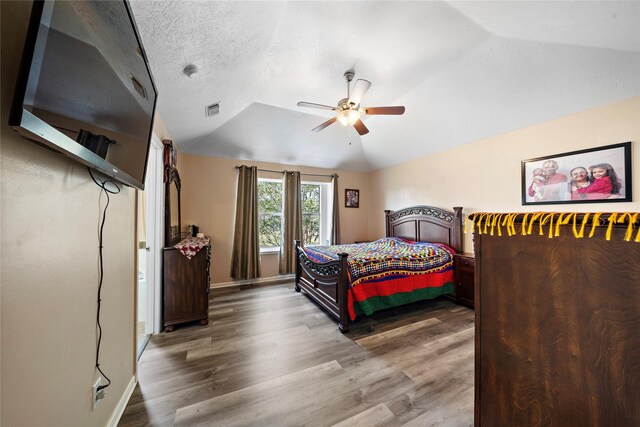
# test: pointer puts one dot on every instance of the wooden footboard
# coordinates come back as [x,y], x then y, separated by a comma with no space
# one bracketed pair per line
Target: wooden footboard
[326,283]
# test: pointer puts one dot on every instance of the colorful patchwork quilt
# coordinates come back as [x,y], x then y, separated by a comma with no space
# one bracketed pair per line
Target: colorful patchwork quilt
[391,271]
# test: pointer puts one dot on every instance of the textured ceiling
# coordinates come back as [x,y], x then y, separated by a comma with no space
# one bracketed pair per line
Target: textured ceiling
[464,71]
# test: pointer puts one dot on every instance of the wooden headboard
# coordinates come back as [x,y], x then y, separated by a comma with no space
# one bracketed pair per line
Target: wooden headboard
[426,224]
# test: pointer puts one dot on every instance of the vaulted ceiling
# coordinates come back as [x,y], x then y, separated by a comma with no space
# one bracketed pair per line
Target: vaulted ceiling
[464,71]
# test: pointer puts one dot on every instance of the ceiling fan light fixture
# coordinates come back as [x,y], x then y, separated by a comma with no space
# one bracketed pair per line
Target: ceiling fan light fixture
[348,110]
[348,117]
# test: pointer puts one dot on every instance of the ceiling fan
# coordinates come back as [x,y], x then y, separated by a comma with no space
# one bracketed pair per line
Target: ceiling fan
[348,110]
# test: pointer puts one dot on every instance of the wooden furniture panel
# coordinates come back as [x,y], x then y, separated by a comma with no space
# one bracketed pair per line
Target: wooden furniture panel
[558,329]
[426,224]
[186,287]
[464,265]
[172,209]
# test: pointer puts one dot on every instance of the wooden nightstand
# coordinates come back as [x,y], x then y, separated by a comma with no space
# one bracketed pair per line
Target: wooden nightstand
[465,266]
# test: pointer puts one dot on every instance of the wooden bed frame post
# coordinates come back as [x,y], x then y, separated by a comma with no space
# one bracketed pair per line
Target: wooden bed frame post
[298,266]
[343,290]
[387,225]
[457,230]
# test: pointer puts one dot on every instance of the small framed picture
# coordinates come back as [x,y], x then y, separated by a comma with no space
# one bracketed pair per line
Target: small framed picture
[594,175]
[351,198]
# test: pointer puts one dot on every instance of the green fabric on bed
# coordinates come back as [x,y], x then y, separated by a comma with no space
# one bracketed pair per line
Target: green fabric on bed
[374,304]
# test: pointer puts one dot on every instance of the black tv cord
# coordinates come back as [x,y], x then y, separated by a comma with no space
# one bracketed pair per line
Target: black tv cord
[107,191]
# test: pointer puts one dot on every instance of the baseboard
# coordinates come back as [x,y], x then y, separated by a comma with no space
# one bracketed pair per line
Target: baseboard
[122,404]
[256,281]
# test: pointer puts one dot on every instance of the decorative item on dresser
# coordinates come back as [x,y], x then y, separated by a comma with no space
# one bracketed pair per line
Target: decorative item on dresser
[325,274]
[557,319]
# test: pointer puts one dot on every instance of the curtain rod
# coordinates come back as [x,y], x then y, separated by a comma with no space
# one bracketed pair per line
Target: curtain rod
[306,174]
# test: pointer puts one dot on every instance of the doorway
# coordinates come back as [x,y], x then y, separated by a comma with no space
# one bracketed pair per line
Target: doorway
[149,249]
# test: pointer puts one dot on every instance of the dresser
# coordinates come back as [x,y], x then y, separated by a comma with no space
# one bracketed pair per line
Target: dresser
[186,287]
[558,323]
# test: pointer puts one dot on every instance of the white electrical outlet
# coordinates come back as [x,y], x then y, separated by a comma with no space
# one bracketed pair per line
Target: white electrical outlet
[96,395]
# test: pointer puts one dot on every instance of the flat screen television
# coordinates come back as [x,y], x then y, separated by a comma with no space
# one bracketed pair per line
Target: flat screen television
[85,88]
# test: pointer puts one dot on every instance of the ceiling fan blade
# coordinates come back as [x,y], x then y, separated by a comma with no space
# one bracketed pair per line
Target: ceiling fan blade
[359,89]
[325,124]
[313,105]
[360,127]
[384,110]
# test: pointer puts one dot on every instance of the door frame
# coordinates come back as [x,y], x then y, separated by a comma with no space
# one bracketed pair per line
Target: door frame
[155,200]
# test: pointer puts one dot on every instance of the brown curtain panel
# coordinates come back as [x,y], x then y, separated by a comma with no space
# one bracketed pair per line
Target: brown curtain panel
[335,213]
[245,261]
[292,210]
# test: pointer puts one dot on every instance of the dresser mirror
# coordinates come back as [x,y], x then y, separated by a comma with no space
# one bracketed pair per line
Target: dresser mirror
[172,218]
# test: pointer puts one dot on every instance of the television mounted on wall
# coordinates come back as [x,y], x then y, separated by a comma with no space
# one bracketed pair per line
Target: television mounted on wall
[85,88]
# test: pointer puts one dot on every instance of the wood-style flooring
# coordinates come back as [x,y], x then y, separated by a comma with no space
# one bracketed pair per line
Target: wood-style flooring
[272,357]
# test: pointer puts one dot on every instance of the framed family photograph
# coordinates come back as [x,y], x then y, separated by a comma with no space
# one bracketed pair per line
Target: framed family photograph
[351,198]
[594,175]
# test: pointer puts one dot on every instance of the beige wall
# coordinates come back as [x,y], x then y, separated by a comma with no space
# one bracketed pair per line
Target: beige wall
[485,175]
[209,186]
[480,176]
[49,274]
[160,129]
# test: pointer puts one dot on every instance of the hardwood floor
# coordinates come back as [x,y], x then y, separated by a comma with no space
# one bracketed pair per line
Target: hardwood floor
[272,357]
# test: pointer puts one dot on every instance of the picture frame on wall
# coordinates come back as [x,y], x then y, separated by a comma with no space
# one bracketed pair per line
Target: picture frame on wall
[351,198]
[594,175]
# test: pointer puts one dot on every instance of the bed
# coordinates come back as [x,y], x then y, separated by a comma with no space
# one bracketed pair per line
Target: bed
[347,286]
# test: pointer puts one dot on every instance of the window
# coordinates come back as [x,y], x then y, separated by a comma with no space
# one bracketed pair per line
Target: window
[311,214]
[317,204]
[316,213]
[269,213]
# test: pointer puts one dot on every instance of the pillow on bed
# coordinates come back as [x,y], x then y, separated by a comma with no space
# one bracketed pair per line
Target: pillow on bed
[404,239]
